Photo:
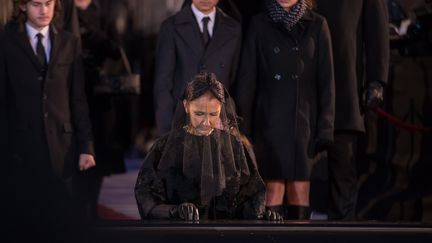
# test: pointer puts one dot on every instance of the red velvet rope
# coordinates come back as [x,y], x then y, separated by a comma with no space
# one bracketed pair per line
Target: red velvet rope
[399,123]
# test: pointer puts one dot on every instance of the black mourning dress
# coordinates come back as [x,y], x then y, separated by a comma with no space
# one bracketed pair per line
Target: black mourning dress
[216,173]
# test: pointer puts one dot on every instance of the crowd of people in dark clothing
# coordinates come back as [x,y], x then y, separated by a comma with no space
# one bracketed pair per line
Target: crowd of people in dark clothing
[239,103]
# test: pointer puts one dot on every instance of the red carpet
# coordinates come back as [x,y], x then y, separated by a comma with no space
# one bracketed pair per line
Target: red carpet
[110,214]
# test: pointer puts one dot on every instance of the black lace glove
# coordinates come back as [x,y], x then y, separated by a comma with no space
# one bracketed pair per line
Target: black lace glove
[274,213]
[373,95]
[185,211]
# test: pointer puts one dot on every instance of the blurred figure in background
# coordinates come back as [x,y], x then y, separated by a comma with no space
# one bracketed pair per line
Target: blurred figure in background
[102,26]
[359,30]
[5,12]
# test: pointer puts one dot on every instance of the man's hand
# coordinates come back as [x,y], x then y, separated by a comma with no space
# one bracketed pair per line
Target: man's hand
[86,161]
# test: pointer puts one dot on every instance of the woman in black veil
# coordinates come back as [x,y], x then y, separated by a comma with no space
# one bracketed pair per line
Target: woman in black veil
[201,169]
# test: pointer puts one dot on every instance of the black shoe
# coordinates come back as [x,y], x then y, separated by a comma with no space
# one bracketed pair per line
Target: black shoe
[297,212]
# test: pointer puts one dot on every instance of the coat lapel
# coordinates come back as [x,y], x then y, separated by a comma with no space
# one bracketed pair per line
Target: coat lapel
[24,42]
[224,31]
[187,28]
[56,41]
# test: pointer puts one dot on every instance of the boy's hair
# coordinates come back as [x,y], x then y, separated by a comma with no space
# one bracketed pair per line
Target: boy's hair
[20,16]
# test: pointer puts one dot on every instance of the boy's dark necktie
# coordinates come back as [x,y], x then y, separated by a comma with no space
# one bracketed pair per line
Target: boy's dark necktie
[40,51]
[205,34]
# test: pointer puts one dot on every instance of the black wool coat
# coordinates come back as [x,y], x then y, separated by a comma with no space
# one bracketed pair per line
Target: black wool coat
[44,116]
[285,93]
[359,30]
[181,55]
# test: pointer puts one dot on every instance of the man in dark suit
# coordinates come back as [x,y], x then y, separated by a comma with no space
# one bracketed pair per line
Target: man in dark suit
[199,38]
[359,30]
[45,129]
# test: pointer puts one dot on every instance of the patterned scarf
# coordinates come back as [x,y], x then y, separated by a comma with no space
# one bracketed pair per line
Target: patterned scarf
[287,18]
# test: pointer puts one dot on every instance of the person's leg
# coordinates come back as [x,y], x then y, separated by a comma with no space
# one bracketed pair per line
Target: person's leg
[275,191]
[342,177]
[298,193]
[297,200]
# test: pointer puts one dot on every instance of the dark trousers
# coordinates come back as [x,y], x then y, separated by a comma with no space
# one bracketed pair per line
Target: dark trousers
[343,176]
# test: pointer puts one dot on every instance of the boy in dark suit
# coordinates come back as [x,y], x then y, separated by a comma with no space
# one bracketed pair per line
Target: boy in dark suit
[45,129]
[199,38]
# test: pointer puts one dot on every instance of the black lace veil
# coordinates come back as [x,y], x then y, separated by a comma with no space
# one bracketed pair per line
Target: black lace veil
[217,161]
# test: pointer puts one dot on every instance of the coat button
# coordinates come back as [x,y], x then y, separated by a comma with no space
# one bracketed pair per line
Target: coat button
[40,78]
[46,114]
[295,48]
[276,50]
[45,97]
[294,76]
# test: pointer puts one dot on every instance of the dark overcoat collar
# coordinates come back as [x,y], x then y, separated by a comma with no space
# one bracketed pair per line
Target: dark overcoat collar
[19,32]
[187,28]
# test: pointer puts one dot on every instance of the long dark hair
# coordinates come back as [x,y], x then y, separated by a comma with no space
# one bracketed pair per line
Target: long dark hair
[202,83]
[21,17]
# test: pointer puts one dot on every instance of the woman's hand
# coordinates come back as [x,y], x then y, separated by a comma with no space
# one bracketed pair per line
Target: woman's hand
[274,213]
[185,211]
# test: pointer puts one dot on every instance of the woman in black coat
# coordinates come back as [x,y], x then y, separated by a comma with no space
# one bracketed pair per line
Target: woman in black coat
[201,169]
[286,98]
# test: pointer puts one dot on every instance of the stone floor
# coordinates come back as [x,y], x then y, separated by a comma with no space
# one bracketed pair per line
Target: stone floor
[117,200]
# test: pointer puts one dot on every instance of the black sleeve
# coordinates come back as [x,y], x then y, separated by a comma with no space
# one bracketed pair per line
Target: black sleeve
[3,99]
[236,58]
[251,197]
[376,40]
[326,85]
[245,85]
[164,77]
[149,187]
[79,106]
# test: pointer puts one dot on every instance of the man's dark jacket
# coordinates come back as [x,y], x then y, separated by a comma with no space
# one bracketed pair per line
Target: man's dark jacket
[359,31]
[44,115]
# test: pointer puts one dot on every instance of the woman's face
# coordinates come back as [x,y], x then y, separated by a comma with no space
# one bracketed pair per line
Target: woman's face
[287,4]
[204,113]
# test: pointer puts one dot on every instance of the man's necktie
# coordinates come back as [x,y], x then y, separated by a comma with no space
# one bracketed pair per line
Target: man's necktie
[40,51]
[205,34]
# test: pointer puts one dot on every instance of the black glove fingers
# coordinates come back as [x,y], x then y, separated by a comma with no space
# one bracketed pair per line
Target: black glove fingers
[196,214]
[182,212]
[273,215]
[190,212]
